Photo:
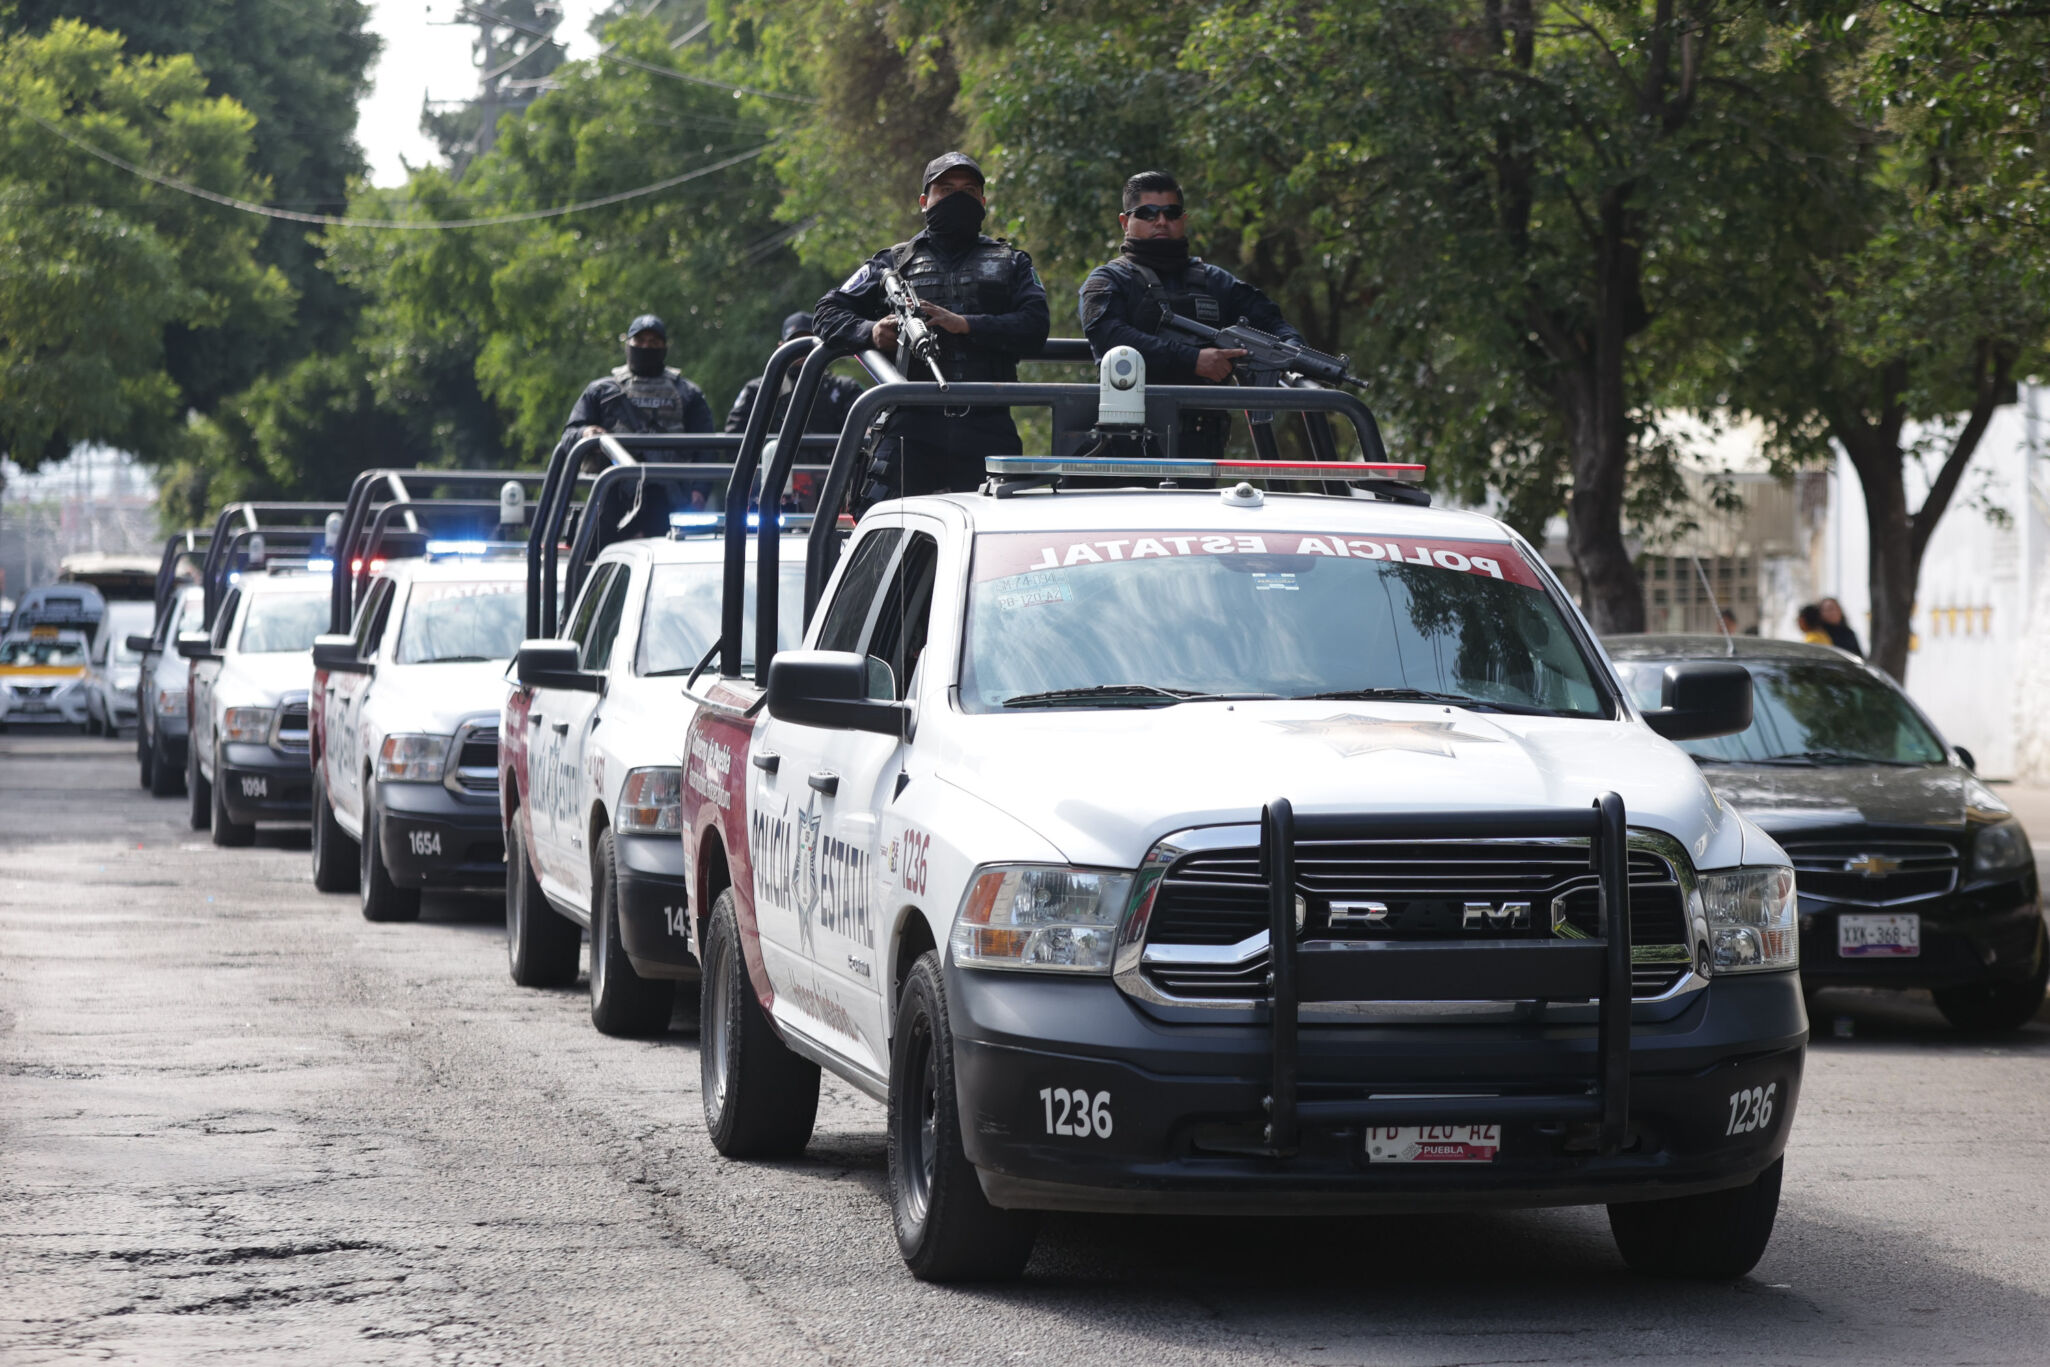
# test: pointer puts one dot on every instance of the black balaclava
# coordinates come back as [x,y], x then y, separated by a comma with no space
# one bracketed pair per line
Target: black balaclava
[1161,253]
[954,221]
[646,361]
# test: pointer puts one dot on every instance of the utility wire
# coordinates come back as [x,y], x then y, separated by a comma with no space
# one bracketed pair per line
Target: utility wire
[337,221]
[608,55]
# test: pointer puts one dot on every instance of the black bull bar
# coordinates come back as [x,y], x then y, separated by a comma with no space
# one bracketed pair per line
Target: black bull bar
[1554,970]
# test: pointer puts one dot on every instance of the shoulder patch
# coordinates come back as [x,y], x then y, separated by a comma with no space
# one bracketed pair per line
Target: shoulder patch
[855,281]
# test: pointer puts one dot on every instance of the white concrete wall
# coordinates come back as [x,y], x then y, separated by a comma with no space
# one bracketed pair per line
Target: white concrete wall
[1984,601]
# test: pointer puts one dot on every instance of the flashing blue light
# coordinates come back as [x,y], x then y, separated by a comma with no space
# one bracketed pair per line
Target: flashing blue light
[234,576]
[320,565]
[458,547]
[697,519]
[712,522]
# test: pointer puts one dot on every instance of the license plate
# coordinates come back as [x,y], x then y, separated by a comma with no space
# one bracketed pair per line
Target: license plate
[1433,1143]
[1879,937]
[33,705]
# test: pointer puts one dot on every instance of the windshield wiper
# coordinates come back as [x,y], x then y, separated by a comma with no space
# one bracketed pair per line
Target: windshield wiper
[1830,757]
[457,660]
[1426,695]
[1141,694]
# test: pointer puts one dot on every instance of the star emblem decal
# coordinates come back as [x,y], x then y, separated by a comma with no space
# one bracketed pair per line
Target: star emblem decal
[1351,735]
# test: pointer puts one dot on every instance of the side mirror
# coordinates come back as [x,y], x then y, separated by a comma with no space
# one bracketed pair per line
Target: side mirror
[142,645]
[336,653]
[1702,698]
[196,645]
[552,664]
[1964,757]
[831,688]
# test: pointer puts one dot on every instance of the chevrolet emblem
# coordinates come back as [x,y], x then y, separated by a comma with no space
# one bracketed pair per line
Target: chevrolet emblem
[1872,865]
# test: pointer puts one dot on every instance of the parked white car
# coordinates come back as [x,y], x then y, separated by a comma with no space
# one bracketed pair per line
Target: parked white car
[112,679]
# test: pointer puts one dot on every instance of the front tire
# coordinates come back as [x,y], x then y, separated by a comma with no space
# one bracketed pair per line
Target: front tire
[1997,1008]
[199,807]
[164,777]
[1718,1236]
[334,854]
[622,1001]
[946,1228]
[228,832]
[382,899]
[144,755]
[760,1098]
[540,944]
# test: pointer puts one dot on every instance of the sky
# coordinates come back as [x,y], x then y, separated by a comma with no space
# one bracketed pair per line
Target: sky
[425,52]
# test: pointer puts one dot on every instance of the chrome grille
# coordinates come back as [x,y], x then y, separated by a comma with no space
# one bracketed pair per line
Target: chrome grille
[475,770]
[1206,938]
[289,727]
[1872,873]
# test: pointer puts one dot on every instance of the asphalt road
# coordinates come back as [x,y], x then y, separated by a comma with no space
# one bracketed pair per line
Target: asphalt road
[239,1122]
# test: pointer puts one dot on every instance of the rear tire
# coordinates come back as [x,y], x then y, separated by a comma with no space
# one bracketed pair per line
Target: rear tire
[228,833]
[1997,1008]
[1718,1236]
[334,854]
[199,807]
[622,1001]
[540,943]
[760,1098]
[382,899]
[946,1228]
[145,769]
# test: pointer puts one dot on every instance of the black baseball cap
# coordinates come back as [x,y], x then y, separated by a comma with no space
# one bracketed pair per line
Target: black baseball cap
[647,322]
[945,162]
[797,325]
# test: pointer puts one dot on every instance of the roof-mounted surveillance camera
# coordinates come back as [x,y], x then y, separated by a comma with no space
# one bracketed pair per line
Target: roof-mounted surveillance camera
[512,504]
[1121,401]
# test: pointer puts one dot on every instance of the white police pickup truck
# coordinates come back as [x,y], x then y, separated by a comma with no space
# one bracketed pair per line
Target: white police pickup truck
[246,744]
[405,787]
[593,739]
[1217,851]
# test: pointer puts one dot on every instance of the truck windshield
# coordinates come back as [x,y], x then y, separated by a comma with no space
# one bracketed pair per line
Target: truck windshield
[682,618]
[281,623]
[1149,618]
[1807,713]
[449,623]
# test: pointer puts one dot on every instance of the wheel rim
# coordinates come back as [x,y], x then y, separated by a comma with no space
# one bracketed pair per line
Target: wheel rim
[366,857]
[920,1140]
[601,948]
[714,1045]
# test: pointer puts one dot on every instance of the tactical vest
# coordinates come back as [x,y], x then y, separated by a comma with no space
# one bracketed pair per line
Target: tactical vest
[655,401]
[1182,299]
[977,281]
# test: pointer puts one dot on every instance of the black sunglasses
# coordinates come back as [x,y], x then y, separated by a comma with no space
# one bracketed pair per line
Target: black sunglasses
[1146,213]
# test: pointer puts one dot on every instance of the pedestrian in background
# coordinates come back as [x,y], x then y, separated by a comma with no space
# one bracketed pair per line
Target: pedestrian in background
[1809,619]
[1840,634]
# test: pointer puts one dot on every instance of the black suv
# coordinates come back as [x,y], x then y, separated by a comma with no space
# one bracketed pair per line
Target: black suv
[1910,871]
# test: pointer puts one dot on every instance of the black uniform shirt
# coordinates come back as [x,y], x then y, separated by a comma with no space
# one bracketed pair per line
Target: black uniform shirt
[846,317]
[603,404]
[1116,311]
[828,411]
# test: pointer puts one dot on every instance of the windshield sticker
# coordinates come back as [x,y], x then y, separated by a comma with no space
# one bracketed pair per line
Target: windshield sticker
[1030,590]
[1023,555]
[1274,583]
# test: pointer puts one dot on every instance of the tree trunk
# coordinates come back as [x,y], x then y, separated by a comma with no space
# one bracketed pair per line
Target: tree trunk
[1610,590]
[1894,565]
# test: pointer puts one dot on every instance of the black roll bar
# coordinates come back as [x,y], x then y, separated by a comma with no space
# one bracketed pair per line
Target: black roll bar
[176,547]
[254,518]
[733,589]
[398,485]
[1556,970]
[1164,404]
[769,539]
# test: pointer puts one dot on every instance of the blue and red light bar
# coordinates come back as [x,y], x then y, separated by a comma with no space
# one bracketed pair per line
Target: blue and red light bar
[1017,466]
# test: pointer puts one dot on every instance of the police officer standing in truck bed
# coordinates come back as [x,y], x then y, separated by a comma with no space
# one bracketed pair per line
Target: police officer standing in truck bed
[1123,303]
[646,394]
[985,301]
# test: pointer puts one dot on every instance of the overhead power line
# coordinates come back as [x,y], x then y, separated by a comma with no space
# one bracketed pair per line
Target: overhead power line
[338,221]
[608,55]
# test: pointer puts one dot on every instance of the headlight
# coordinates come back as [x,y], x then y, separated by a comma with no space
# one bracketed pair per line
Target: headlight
[169,702]
[1054,919]
[651,803]
[412,759]
[1751,919]
[2001,848]
[250,725]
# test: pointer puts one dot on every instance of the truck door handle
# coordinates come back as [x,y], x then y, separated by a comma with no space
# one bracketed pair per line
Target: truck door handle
[768,761]
[825,781]
[561,727]
[534,719]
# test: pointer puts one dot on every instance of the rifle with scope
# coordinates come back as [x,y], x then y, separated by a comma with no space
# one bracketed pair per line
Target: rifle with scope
[914,333]
[1267,357]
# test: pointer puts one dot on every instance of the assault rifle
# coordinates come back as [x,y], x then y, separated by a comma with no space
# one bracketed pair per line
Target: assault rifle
[914,333]
[1267,357]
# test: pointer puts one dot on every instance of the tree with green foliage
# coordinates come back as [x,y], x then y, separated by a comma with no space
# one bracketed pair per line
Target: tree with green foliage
[104,279]
[541,305]
[1909,286]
